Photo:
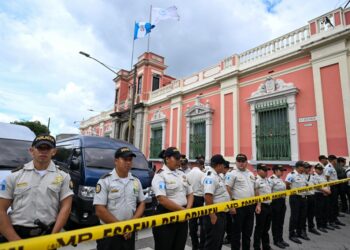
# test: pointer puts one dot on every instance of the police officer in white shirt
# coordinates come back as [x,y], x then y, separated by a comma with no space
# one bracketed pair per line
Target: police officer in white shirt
[321,200]
[331,175]
[119,197]
[310,198]
[278,206]
[195,177]
[215,192]
[184,164]
[240,185]
[39,193]
[173,193]
[298,204]
[263,210]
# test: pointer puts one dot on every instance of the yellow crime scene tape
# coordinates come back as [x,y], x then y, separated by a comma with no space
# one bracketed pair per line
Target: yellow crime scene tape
[98,232]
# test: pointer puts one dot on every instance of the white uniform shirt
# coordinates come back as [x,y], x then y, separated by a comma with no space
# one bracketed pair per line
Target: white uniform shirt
[215,185]
[310,178]
[241,183]
[297,180]
[277,184]
[329,171]
[119,195]
[319,179]
[173,184]
[35,196]
[262,185]
[195,177]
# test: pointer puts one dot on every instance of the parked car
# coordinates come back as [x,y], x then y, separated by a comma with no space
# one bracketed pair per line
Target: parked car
[87,158]
[15,141]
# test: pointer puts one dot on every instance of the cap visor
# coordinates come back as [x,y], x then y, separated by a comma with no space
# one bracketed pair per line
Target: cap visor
[44,143]
[127,154]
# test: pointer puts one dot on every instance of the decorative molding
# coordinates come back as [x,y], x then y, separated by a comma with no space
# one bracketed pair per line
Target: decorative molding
[158,117]
[200,111]
[277,89]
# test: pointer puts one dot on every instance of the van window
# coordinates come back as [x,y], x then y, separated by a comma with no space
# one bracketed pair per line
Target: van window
[104,158]
[63,155]
[14,153]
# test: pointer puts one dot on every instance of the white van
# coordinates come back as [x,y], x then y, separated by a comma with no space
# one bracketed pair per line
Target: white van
[15,141]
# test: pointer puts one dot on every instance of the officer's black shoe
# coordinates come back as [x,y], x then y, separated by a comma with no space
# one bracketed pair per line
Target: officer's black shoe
[285,243]
[295,239]
[303,236]
[322,229]
[314,231]
[334,225]
[280,245]
[337,222]
[329,227]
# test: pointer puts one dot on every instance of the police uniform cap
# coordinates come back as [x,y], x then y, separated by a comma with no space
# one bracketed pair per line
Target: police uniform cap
[169,152]
[262,166]
[199,157]
[319,166]
[124,152]
[241,158]
[300,164]
[44,139]
[332,157]
[278,167]
[217,159]
[307,165]
[341,159]
[322,157]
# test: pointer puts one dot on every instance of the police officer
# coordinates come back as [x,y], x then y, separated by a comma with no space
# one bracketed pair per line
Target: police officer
[321,199]
[184,164]
[240,185]
[310,199]
[298,204]
[227,239]
[40,195]
[195,177]
[323,160]
[331,175]
[119,196]
[262,210]
[278,206]
[340,168]
[215,192]
[173,193]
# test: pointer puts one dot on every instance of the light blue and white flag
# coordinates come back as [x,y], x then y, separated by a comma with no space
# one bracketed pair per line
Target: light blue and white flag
[142,29]
[159,14]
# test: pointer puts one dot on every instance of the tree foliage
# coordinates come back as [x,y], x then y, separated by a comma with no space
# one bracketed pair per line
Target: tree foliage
[34,126]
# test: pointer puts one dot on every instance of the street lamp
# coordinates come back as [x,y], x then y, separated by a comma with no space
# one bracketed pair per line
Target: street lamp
[133,91]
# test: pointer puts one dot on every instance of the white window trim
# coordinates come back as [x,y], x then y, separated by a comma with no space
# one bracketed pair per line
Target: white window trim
[200,111]
[159,120]
[273,89]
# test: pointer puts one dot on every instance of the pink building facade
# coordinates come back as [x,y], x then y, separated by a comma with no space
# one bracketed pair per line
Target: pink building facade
[285,100]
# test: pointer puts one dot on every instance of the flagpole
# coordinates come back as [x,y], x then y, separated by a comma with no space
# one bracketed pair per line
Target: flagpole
[149,35]
[133,46]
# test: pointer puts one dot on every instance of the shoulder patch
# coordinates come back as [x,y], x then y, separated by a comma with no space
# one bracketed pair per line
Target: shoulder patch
[159,171]
[105,176]
[17,169]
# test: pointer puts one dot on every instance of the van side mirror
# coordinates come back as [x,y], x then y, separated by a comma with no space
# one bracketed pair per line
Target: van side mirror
[76,152]
[75,164]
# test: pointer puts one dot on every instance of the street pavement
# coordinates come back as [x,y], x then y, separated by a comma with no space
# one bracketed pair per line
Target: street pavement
[333,240]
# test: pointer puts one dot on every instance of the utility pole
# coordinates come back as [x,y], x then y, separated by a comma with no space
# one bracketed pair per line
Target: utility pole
[132,104]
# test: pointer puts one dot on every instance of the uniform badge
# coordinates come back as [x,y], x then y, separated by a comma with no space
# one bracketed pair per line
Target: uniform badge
[22,184]
[71,185]
[113,190]
[58,180]
[98,188]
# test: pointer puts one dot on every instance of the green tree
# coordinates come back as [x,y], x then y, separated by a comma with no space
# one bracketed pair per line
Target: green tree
[34,126]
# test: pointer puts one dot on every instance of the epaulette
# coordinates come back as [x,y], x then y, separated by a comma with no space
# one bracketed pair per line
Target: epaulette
[105,175]
[159,171]
[17,169]
[209,173]
[62,169]
[272,177]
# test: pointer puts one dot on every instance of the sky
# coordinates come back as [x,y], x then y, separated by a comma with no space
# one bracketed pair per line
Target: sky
[42,74]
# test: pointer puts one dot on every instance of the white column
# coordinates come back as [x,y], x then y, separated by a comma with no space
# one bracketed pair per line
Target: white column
[236,118]
[293,128]
[208,137]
